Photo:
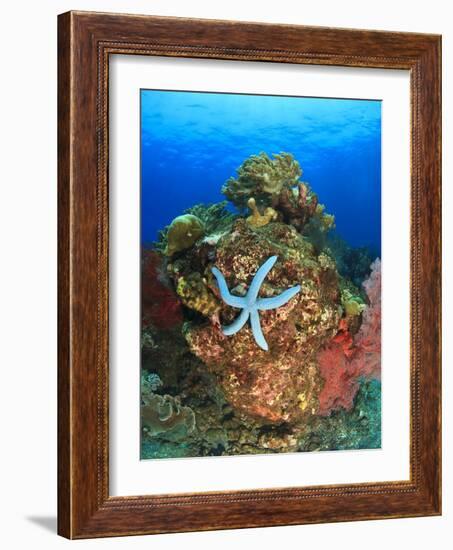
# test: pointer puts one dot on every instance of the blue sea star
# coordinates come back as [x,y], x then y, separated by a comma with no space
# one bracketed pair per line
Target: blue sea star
[251,304]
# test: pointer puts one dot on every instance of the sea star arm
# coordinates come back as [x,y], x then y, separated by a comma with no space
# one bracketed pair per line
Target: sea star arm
[237,324]
[229,299]
[256,329]
[277,301]
[258,279]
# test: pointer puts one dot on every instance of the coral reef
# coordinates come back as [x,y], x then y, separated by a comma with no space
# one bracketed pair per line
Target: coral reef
[353,305]
[312,382]
[317,227]
[150,382]
[219,430]
[274,185]
[214,217]
[297,205]
[357,428]
[183,232]
[368,339]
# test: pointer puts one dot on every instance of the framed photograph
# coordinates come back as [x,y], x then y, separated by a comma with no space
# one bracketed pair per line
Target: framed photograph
[249,275]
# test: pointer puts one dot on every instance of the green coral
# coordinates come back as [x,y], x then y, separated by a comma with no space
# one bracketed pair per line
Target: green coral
[147,338]
[352,304]
[150,382]
[183,233]
[262,177]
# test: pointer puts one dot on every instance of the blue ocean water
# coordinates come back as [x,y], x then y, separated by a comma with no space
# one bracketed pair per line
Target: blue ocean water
[192,142]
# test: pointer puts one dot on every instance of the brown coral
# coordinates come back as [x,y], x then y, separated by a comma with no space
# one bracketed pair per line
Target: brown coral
[297,205]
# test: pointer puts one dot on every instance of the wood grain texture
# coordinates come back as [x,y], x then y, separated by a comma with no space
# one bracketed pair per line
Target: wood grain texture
[85,42]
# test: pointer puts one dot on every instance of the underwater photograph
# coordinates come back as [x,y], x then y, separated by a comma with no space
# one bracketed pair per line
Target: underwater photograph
[260,274]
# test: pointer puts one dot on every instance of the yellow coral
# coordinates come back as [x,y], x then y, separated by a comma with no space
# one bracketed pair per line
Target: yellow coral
[256,219]
[195,295]
[303,401]
[183,232]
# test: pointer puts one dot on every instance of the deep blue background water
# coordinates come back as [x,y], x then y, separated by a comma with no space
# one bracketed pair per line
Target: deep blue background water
[193,141]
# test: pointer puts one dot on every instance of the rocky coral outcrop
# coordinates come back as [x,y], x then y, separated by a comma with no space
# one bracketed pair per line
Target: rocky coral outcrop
[282,384]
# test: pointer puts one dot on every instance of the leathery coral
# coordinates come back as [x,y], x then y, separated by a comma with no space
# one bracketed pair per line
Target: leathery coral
[262,177]
[346,359]
[163,414]
[183,232]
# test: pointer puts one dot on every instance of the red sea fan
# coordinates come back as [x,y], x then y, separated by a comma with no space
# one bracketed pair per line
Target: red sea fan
[160,304]
[344,360]
[340,379]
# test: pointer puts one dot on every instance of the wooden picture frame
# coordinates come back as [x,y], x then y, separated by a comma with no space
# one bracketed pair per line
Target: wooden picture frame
[85,42]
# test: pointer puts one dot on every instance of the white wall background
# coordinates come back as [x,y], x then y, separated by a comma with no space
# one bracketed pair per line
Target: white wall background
[28,270]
